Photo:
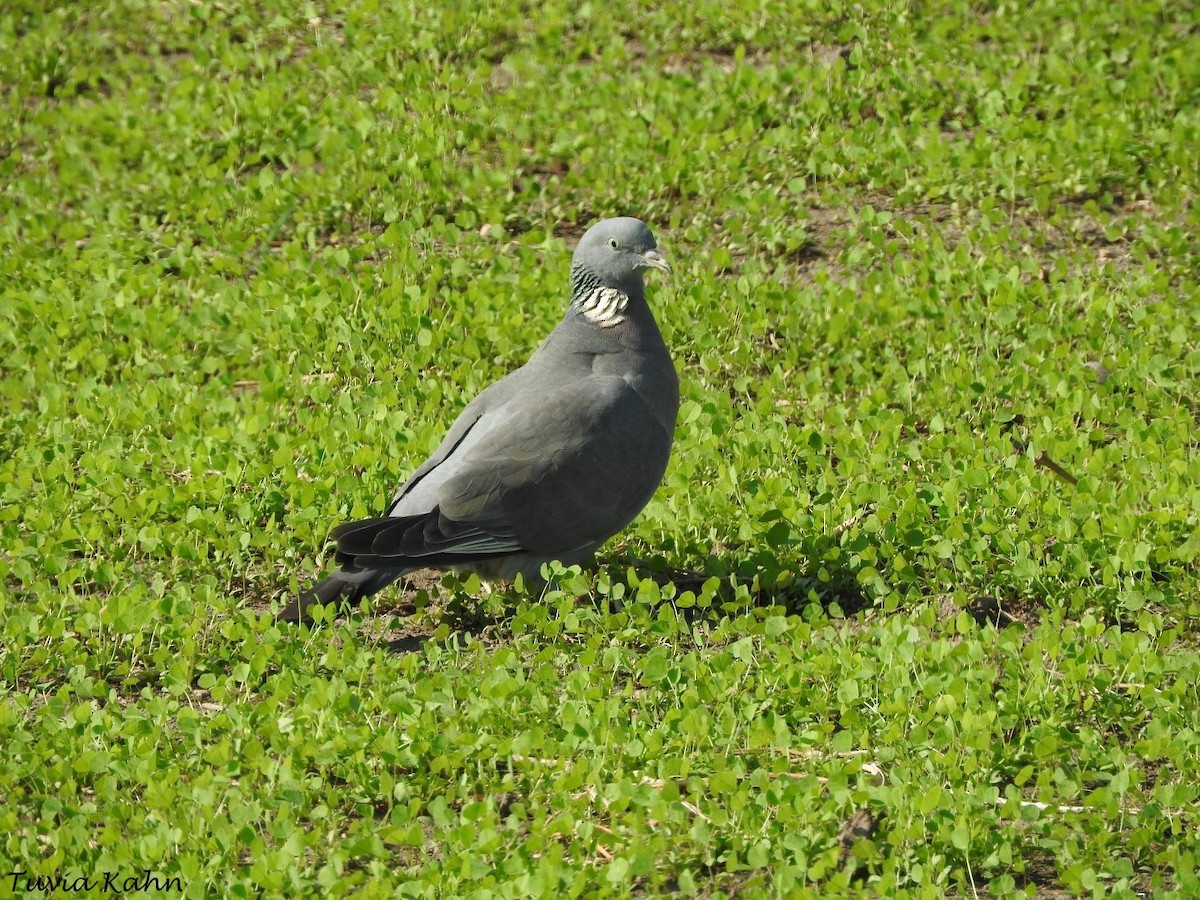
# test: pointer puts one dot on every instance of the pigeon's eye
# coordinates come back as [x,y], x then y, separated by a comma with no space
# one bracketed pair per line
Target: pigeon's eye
[612,242]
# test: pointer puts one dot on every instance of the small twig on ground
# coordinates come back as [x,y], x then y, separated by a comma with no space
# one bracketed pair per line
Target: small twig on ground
[1044,460]
[694,810]
[853,520]
[1051,807]
[792,753]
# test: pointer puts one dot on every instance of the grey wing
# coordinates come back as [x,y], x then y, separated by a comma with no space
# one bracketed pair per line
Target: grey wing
[419,493]
[568,471]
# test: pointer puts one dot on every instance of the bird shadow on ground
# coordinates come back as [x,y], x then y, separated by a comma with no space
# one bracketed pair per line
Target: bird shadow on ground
[410,643]
[405,626]
[403,629]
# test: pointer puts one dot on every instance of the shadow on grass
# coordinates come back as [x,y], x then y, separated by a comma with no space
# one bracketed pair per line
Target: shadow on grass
[406,630]
[410,643]
[427,606]
[837,592]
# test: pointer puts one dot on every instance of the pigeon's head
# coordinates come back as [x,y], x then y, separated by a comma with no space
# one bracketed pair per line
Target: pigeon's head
[615,253]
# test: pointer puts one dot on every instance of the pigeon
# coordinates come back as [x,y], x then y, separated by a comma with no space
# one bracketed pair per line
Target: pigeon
[547,463]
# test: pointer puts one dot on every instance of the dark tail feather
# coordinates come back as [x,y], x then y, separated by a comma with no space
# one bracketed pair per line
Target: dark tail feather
[346,589]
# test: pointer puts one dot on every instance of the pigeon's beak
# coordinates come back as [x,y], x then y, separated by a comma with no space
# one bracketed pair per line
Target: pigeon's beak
[656,260]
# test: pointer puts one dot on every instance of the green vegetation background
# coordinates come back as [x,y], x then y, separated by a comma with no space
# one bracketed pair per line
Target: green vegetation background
[256,256]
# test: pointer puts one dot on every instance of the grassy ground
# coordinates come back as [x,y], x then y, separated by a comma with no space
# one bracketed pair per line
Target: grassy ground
[915,611]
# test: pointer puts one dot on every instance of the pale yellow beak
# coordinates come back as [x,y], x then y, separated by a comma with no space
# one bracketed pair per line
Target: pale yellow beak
[656,260]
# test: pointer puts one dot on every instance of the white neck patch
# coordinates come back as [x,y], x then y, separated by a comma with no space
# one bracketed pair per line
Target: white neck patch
[605,307]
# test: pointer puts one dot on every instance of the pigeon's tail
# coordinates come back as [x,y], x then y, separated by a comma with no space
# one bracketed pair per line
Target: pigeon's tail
[373,553]
[344,588]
